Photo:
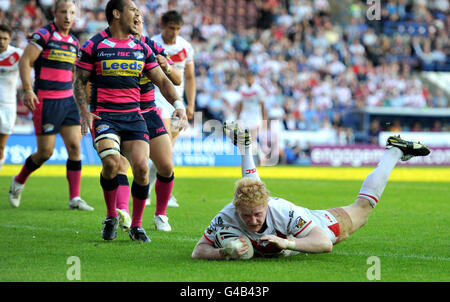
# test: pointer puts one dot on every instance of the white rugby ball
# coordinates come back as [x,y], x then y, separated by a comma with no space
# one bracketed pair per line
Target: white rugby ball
[228,237]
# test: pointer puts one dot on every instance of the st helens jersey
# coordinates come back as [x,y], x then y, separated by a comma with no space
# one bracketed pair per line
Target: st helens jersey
[9,74]
[181,53]
[54,66]
[283,219]
[251,97]
[116,66]
[147,87]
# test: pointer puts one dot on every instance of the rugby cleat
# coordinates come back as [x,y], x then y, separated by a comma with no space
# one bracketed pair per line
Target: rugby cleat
[173,202]
[138,234]
[110,229]
[409,149]
[15,192]
[239,136]
[79,204]
[162,223]
[124,220]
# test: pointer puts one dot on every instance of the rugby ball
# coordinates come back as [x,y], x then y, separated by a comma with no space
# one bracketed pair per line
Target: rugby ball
[228,237]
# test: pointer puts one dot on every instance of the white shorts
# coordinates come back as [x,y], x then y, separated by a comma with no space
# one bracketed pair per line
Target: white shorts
[7,119]
[249,123]
[166,108]
[327,222]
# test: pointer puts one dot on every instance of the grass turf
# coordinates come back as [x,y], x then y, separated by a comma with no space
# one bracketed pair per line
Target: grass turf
[408,231]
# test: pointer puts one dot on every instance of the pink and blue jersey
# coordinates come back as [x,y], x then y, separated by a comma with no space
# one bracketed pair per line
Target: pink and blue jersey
[116,67]
[54,66]
[147,87]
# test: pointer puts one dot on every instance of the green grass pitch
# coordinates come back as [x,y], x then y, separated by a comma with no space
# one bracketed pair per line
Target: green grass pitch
[408,232]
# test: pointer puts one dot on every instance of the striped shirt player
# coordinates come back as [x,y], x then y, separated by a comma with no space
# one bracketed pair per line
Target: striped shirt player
[151,113]
[52,51]
[53,80]
[117,66]
[181,53]
[284,219]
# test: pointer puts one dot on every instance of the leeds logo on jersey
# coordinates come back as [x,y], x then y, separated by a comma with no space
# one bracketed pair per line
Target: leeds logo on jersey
[62,56]
[122,68]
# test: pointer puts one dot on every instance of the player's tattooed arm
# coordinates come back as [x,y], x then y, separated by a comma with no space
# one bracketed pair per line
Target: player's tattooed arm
[81,99]
[79,87]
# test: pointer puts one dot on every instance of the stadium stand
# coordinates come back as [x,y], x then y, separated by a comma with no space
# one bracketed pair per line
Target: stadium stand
[322,63]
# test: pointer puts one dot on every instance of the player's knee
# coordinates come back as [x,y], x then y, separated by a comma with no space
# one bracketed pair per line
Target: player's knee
[140,171]
[111,164]
[165,169]
[73,149]
[44,154]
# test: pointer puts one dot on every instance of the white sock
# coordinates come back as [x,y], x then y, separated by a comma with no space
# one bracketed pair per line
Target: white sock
[2,161]
[151,176]
[248,166]
[374,184]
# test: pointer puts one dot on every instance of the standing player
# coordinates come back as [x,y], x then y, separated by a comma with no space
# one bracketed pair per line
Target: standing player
[52,51]
[251,111]
[113,62]
[160,145]
[181,53]
[9,74]
[275,225]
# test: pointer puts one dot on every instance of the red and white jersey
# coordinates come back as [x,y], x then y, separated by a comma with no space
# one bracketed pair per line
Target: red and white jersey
[251,97]
[181,53]
[9,74]
[283,219]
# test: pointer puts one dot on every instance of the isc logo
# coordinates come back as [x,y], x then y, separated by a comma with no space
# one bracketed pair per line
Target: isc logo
[122,68]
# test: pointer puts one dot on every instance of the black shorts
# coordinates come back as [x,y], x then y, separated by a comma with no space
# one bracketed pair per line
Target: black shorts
[155,124]
[51,114]
[129,126]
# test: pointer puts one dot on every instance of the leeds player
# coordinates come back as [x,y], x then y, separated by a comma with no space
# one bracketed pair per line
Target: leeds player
[276,226]
[160,144]
[113,61]
[52,51]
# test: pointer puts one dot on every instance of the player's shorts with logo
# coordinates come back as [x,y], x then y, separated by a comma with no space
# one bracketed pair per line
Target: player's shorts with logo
[327,222]
[51,114]
[128,126]
[155,124]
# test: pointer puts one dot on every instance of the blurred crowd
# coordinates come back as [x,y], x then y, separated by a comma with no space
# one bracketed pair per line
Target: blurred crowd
[316,59]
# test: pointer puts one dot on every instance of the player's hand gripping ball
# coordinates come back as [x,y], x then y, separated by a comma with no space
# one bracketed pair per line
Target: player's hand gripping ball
[229,238]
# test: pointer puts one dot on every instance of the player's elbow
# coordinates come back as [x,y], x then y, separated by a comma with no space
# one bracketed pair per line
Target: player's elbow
[327,246]
[195,254]
[177,81]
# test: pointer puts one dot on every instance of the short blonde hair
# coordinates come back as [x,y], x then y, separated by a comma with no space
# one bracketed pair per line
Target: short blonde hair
[250,192]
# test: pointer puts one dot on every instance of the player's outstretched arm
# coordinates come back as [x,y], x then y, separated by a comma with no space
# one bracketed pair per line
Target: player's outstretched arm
[315,242]
[206,250]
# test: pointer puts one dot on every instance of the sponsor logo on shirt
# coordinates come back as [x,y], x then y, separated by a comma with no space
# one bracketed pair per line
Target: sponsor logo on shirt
[62,56]
[127,68]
